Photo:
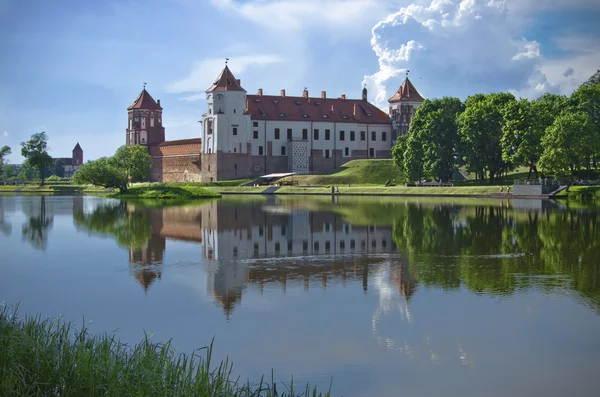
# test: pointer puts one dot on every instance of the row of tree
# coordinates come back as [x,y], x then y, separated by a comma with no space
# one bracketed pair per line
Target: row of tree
[129,164]
[492,134]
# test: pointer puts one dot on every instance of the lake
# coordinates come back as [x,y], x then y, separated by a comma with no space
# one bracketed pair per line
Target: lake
[383,297]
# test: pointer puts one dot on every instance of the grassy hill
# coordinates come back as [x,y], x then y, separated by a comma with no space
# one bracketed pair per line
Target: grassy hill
[363,172]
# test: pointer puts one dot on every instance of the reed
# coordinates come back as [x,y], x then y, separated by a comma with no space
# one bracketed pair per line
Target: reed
[49,357]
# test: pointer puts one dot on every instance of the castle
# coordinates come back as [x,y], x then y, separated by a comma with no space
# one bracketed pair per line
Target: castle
[71,164]
[250,135]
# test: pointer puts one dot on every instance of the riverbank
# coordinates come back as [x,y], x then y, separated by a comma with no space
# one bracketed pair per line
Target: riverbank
[580,193]
[167,191]
[50,357]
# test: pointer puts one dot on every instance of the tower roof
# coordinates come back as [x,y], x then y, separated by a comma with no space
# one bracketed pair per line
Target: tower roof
[406,92]
[145,101]
[226,82]
[77,147]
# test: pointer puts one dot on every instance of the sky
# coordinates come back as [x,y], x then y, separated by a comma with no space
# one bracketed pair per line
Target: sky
[71,68]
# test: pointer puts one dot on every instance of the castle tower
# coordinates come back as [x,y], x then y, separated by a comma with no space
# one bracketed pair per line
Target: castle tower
[225,123]
[144,124]
[403,105]
[77,156]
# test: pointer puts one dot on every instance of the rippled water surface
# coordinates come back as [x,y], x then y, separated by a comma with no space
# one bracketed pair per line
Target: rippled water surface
[395,297]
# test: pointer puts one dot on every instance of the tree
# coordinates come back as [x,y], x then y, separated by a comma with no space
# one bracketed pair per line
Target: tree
[569,140]
[587,99]
[9,172]
[135,160]
[480,132]
[35,150]
[102,172]
[27,172]
[593,80]
[5,151]
[59,168]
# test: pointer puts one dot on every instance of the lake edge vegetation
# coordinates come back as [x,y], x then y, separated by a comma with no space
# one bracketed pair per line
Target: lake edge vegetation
[50,357]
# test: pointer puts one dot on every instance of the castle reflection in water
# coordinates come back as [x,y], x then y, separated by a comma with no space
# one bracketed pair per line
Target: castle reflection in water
[271,243]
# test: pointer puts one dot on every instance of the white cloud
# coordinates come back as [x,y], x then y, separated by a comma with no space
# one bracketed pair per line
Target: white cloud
[457,48]
[192,98]
[295,15]
[5,133]
[204,73]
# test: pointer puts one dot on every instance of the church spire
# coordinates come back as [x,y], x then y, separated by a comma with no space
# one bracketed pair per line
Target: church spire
[226,81]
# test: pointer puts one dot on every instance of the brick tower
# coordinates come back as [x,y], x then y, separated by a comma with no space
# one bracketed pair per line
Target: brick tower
[77,156]
[145,121]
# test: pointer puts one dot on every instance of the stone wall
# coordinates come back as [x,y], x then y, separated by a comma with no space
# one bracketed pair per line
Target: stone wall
[176,161]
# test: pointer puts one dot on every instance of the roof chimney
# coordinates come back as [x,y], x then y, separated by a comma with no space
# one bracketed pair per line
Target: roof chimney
[343,96]
[158,102]
[283,93]
[356,112]
[323,95]
[260,92]
[305,94]
[239,82]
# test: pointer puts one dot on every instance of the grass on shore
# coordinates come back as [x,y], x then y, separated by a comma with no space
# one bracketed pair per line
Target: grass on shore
[167,191]
[52,188]
[395,190]
[581,193]
[48,357]
[362,172]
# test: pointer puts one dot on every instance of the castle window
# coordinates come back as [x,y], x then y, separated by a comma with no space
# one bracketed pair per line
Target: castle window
[316,246]
[342,135]
[277,247]
[352,135]
[234,130]
[255,134]
[327,246]
[383,136]
[373,135]
[344,117]
[276,133]
[260,150]
[290,245]
[209,111]
[283,150]
[342,245]
[327,135]
[234,111]
[363,135]
[152,122]
[316,135]
[326,153]
[346,152]
[325,116]
[255,123]
[352,244]
[371,152]
[304,134]
[289,134]
[281,114]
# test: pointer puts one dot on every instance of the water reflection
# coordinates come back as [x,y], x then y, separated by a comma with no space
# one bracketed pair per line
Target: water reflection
[499,249]
[38,225]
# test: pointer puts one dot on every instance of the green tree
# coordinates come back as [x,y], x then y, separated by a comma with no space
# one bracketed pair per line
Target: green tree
[587,99]
[5,151]
[135,161]
[27,172]
[567,143]
[594,79]
[9,172]
[102,172]
[59,168]
[35,150]
[480,132]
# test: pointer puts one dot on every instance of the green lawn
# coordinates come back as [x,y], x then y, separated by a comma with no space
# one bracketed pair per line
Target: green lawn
[361,172]
[168,191]
[581,192]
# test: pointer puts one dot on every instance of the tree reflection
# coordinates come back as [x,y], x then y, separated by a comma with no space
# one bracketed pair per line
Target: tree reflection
[5,227]
[496,250]
[36,229]
[130,227]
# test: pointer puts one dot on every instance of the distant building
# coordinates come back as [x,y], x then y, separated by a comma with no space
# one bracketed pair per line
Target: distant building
[71,164]
[249,135]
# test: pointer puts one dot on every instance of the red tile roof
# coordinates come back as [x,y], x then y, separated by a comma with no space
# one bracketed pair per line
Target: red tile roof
[406,92]
[191,141]
[145,101]
[226,82]
[285,108]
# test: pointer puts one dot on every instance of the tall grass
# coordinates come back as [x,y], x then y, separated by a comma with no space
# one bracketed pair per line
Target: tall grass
[49,357]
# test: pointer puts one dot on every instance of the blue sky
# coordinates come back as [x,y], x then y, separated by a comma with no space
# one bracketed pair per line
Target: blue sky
[71,67]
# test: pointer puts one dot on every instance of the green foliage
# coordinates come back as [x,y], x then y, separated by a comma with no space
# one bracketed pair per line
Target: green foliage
[567,143]
[27,172]
[587,99]
[135,160]
[4,151]
[59,168]
[35,150]
[49,357]
[480,130]
[54,178]
[102,172]
[430,147]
